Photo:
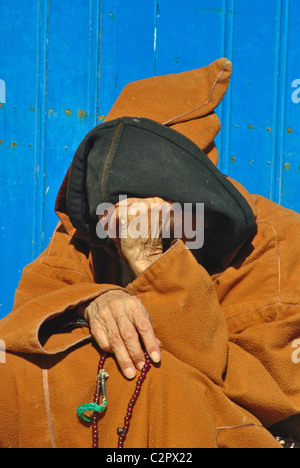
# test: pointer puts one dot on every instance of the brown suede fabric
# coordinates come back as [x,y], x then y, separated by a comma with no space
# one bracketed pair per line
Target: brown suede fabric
[184,101]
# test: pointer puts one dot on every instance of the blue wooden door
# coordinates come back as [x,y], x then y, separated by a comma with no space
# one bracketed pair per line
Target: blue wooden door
[63,63]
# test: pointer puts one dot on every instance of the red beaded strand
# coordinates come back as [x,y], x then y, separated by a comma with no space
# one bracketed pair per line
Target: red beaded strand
[122,431]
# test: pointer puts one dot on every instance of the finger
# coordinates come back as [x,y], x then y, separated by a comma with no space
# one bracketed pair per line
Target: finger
[100,336]
[97,326]
[120,351]
[112,224]
[131,340]
[121,219]
[145,330]
[106,332]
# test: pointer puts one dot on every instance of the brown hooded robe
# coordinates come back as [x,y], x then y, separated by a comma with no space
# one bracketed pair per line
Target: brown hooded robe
[230,360]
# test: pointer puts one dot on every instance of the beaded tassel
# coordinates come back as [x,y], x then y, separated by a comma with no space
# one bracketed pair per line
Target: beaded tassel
[81,410]
[101,388]
[96,399]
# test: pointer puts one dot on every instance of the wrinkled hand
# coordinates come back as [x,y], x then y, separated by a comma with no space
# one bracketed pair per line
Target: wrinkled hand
[117,320]
[136,226]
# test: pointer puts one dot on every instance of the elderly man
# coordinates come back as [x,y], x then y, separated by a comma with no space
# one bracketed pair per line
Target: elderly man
[148,341]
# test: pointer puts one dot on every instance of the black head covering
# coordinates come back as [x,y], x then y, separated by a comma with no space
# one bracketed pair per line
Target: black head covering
[141,158]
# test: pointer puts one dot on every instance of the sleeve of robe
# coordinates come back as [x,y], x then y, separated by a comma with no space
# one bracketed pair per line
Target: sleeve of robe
[58,280]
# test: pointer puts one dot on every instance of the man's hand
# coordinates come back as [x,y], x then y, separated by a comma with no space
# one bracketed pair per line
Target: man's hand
[117,322]
[136,226]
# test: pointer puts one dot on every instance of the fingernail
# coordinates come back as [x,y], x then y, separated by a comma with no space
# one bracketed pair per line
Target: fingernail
[130,373]
[155,356]
[140,365]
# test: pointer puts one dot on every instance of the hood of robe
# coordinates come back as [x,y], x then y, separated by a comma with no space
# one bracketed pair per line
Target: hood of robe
[158,140]
[141,158]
